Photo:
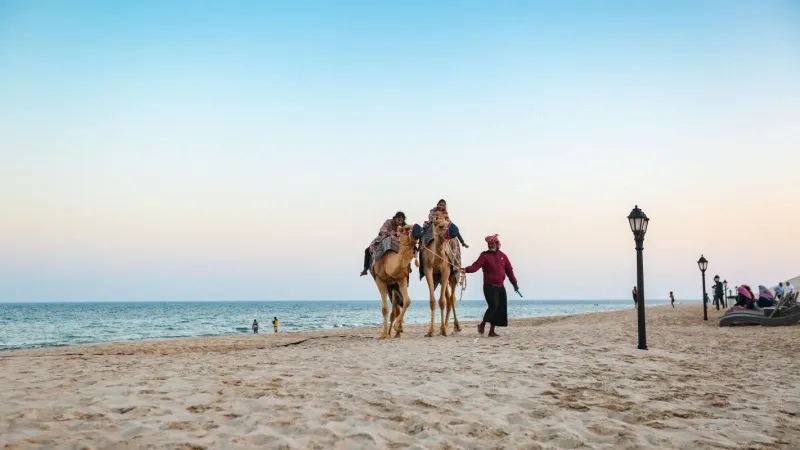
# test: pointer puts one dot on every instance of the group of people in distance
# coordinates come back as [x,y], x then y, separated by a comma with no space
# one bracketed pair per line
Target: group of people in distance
[719,295]
[745,297]
[494,263]
[256,326]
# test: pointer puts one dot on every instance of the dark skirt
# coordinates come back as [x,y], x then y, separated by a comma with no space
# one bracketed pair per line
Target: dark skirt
[497,305]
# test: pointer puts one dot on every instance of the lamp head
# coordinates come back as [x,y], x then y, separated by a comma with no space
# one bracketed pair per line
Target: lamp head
[638,221]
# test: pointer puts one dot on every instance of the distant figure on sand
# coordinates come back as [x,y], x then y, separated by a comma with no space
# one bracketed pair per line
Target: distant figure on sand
[275,323]
[635,293]
[719,293]
[496,266]
[671,299]
[255,326]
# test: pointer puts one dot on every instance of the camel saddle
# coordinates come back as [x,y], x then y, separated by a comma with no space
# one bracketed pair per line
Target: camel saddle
[389,243]
[452,248]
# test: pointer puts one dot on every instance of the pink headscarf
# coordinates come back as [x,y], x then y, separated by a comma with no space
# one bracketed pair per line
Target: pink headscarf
[745,292]
[493,238]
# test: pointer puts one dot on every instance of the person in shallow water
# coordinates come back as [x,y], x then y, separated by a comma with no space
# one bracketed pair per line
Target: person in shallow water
[496,266]
[275,323]
[255,326]
[389,228]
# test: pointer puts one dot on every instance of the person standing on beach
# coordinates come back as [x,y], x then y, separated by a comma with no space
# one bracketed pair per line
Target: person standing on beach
[779,291]
[635,293]
[719,293]
[788,289]
[275,323]
[671,299]
[496,267]
[255,326]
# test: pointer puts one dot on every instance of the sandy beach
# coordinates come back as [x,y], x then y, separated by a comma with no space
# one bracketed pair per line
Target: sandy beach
[558,382]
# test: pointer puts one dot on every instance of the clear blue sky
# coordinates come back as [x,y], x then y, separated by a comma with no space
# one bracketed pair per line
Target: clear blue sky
[251,150]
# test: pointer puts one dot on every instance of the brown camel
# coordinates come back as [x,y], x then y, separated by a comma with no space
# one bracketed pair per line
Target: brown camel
[435,262]
[391,277]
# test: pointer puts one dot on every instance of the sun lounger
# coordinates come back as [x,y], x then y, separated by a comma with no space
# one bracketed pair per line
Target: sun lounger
[778,316]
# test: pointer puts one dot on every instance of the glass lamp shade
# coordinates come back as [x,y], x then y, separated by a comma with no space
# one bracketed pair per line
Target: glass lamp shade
[702,263]
[638,221]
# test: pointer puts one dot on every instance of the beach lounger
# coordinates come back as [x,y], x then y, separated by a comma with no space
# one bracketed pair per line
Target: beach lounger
[780,315]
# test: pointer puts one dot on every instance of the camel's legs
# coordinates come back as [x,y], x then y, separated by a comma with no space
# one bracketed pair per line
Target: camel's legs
[406,303]
[384,290]
[443,299]
[429,278]
[393,314]
[396,312]
[453,284]
[395,300]
[449,300]
[449,304]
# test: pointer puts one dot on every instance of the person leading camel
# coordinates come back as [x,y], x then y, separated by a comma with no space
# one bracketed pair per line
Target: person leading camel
[441,206]
[496,266]
[389,228]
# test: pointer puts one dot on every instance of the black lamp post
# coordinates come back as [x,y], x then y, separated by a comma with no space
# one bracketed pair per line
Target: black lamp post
[702,263]
[638,221]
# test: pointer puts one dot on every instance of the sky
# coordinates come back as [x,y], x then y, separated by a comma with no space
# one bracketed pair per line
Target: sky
[244,150]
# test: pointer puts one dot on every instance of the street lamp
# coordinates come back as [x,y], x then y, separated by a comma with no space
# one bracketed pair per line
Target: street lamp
[702,263]
[638,221]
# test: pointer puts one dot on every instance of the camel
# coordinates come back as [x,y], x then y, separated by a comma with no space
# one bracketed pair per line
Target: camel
[391,276]
[435,262]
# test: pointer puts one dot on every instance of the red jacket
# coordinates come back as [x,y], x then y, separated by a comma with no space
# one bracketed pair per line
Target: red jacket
[495,267]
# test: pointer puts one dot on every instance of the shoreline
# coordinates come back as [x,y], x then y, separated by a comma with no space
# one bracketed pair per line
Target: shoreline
[571,381]
[267,330]
[243,339]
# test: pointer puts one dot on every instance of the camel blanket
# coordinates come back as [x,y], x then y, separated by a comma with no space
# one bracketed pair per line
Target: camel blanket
[452,249]
[384,245]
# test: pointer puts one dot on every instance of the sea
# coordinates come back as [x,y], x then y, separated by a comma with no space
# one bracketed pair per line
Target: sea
[34,325]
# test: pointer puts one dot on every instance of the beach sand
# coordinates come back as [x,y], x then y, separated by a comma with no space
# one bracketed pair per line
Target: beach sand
[558,382]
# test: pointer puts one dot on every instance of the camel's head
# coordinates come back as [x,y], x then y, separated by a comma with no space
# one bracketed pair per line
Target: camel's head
[440,222]
[440,219]
[405,236]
